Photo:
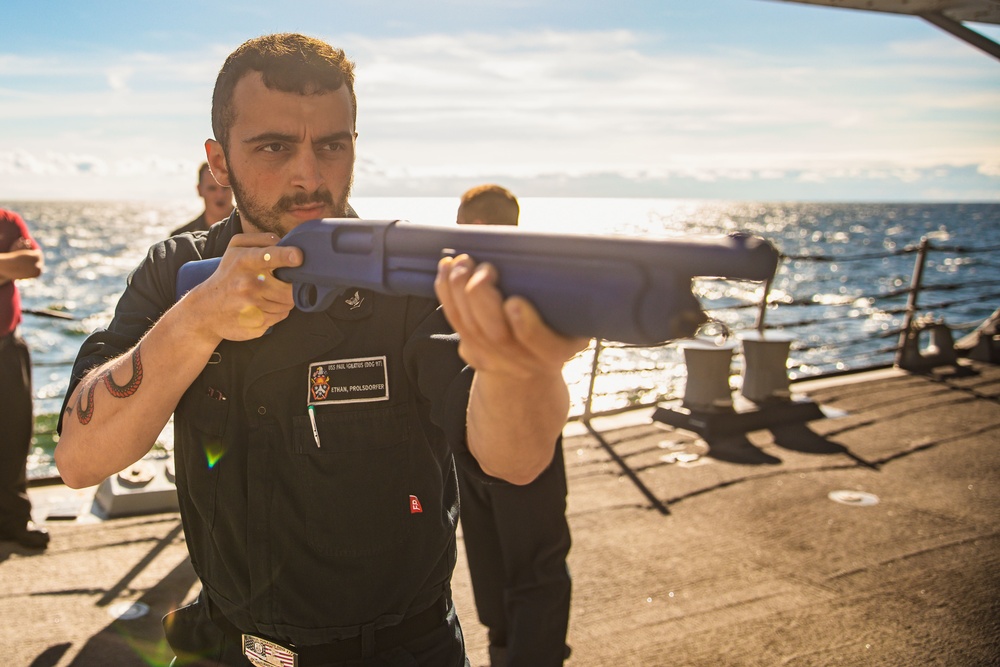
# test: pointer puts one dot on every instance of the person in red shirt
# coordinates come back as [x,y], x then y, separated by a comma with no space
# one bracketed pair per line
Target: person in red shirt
[20,257]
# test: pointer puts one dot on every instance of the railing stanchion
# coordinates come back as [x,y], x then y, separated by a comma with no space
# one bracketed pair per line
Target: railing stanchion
[594,370]
[759,326]
[911,301]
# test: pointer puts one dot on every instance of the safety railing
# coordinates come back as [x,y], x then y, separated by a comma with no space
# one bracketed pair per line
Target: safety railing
[864,322]
[840,321]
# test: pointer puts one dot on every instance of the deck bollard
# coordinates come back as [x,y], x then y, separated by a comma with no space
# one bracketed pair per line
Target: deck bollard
[708,407]
[940,349]
[765,366]
[145,487]
[707,387]
[983,343]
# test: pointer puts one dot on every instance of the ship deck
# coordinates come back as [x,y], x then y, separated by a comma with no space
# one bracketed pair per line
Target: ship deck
[725,550]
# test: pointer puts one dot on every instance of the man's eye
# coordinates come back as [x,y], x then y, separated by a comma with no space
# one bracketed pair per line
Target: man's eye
[272,148]
[334,146]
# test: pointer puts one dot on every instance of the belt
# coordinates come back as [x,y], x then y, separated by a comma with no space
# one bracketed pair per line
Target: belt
[266,652]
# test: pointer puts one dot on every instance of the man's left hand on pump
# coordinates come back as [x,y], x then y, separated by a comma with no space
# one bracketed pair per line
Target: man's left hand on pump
[498,335]
[518,401]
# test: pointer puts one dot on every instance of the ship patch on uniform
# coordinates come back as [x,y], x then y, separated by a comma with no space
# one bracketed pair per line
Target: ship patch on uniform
[360,380]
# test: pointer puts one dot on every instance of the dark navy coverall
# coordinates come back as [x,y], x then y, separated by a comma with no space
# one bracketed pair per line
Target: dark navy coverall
[303,543]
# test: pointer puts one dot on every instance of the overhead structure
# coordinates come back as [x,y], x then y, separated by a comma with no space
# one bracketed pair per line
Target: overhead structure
[949,15]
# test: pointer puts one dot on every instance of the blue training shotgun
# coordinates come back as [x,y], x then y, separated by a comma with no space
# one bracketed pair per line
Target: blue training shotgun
[629,290]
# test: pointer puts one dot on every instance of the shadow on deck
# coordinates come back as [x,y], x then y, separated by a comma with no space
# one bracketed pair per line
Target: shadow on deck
[725,550]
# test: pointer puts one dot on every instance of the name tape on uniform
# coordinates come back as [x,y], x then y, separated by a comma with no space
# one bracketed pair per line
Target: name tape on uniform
[361,380]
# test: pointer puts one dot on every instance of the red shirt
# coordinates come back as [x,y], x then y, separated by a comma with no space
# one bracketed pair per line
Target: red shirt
[12,228]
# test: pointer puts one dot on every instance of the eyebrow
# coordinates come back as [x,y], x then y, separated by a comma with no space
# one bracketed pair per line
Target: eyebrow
[292,139]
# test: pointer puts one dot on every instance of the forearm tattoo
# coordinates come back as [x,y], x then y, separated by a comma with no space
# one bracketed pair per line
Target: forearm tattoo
[85,412]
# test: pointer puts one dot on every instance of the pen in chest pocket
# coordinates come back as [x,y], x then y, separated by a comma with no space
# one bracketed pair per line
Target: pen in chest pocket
[312,421]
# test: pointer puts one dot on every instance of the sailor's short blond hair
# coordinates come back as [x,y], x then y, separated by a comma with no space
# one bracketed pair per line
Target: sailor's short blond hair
[489,204]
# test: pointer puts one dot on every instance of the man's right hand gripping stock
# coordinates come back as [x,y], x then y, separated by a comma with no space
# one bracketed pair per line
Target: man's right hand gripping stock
[242,299]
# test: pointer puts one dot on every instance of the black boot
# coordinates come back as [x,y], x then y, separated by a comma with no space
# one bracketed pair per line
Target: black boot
[29,536]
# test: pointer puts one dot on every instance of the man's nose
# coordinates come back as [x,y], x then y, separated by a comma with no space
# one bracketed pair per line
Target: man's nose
[307,174]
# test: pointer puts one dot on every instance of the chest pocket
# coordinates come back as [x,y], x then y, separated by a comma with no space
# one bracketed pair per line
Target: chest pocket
[355,486]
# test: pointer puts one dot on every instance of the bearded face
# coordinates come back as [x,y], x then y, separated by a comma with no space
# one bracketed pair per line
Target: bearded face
[271,217]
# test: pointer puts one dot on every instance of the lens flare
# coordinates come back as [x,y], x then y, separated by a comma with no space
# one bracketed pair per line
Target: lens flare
[214,451]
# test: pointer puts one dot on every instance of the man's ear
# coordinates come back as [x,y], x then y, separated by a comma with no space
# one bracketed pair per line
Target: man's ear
[217,162]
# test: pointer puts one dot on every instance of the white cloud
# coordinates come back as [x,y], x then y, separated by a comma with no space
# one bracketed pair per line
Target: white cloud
[990,169]
[23,162]
[118,77]
[555,97]
[532,104]
[931,48]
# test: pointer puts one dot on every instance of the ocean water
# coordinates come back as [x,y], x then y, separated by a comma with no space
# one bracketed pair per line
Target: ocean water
[836,293]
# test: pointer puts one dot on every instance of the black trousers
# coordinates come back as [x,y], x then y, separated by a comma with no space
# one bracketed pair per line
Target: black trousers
[16,426]
[516,540]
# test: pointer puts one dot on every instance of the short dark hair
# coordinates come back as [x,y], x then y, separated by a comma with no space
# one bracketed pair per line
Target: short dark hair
[493,204]
[201,171]
[288,62]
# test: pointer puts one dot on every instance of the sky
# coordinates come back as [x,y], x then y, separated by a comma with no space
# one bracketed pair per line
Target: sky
[695,99]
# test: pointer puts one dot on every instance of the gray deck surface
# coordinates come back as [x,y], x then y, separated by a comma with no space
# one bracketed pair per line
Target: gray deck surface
[737,557]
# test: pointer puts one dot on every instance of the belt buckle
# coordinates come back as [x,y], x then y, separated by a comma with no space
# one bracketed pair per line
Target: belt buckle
[264,653]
